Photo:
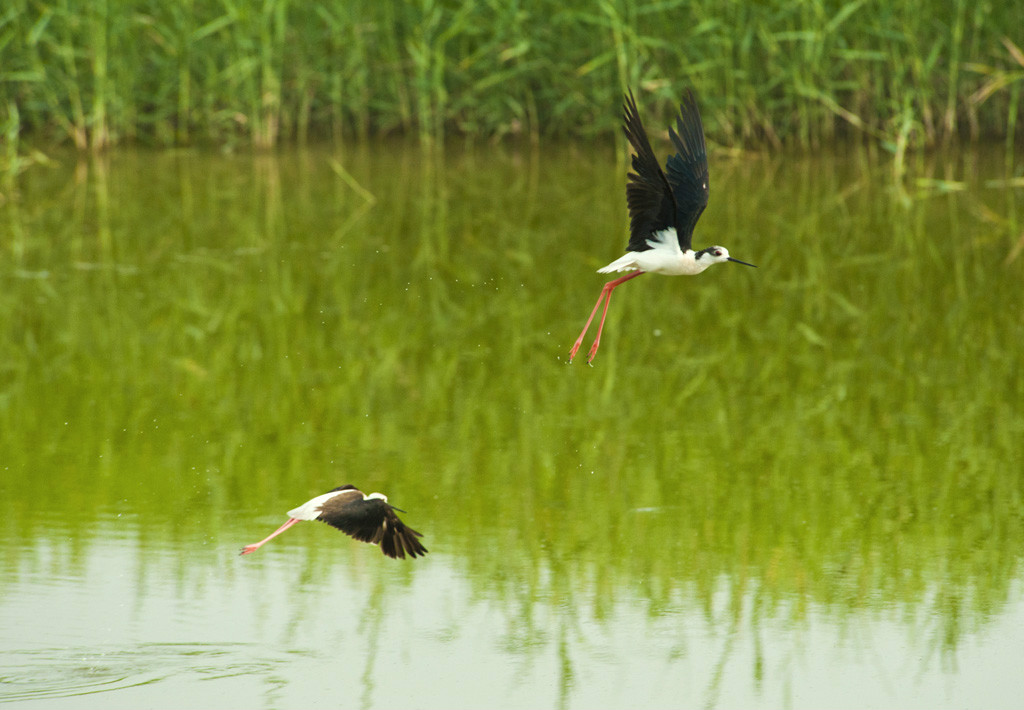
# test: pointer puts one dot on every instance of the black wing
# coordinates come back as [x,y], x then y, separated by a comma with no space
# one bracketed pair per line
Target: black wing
[652,206]
[374,521]
[347,487]
[688,170]
[397,539]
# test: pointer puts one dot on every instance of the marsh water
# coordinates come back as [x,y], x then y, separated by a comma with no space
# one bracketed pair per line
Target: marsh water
[800,485]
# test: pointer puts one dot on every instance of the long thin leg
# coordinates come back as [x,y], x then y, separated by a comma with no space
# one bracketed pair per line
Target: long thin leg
[579,340]
[606,296]
[249,549]
[600,328]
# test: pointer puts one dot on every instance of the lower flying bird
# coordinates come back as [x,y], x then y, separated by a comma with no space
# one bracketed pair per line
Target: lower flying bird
[663,210]
[369,518]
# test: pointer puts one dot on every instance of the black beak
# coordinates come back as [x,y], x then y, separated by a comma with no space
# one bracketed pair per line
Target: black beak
[741,262]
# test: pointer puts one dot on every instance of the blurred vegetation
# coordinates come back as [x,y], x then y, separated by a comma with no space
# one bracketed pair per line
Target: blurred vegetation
[240,72]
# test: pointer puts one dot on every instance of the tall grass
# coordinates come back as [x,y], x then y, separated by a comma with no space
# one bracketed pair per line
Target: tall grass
[261,72]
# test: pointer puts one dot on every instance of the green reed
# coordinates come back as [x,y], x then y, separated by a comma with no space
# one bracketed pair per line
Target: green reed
[236,71]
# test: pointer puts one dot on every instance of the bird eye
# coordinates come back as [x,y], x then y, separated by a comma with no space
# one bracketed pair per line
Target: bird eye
[718,252]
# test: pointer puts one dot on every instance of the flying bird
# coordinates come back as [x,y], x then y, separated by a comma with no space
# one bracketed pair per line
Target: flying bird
[663,210]
[368,518]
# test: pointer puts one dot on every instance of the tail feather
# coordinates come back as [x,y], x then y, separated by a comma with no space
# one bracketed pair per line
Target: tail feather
[626,262]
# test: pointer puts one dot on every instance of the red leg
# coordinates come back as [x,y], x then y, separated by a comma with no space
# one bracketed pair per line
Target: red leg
[600,329]
[249,549]
[579,340]
[606,296]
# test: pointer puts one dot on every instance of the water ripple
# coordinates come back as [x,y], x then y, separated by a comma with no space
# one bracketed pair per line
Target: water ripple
[39,674]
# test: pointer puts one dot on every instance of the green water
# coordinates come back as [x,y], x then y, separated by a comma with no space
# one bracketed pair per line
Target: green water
[795,486]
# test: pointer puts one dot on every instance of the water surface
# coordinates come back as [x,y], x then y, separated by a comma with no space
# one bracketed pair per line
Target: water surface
[796,486]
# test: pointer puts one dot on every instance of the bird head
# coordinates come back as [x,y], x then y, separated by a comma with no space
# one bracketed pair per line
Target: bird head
[381,496]
[717,255]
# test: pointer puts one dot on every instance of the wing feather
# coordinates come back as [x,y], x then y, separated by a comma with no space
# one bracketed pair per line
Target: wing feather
[377,524]
[688,170]
[398,539]
[649,196]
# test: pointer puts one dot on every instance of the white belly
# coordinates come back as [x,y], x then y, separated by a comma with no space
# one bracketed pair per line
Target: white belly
[664,257]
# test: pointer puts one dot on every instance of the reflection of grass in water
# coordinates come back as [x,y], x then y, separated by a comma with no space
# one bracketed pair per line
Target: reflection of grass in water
[838,427]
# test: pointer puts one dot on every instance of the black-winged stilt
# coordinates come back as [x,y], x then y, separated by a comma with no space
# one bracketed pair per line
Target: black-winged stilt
[369,518]
[662,210]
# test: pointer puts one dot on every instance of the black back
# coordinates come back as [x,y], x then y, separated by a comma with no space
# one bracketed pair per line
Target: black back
[657,202]
[371,520]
